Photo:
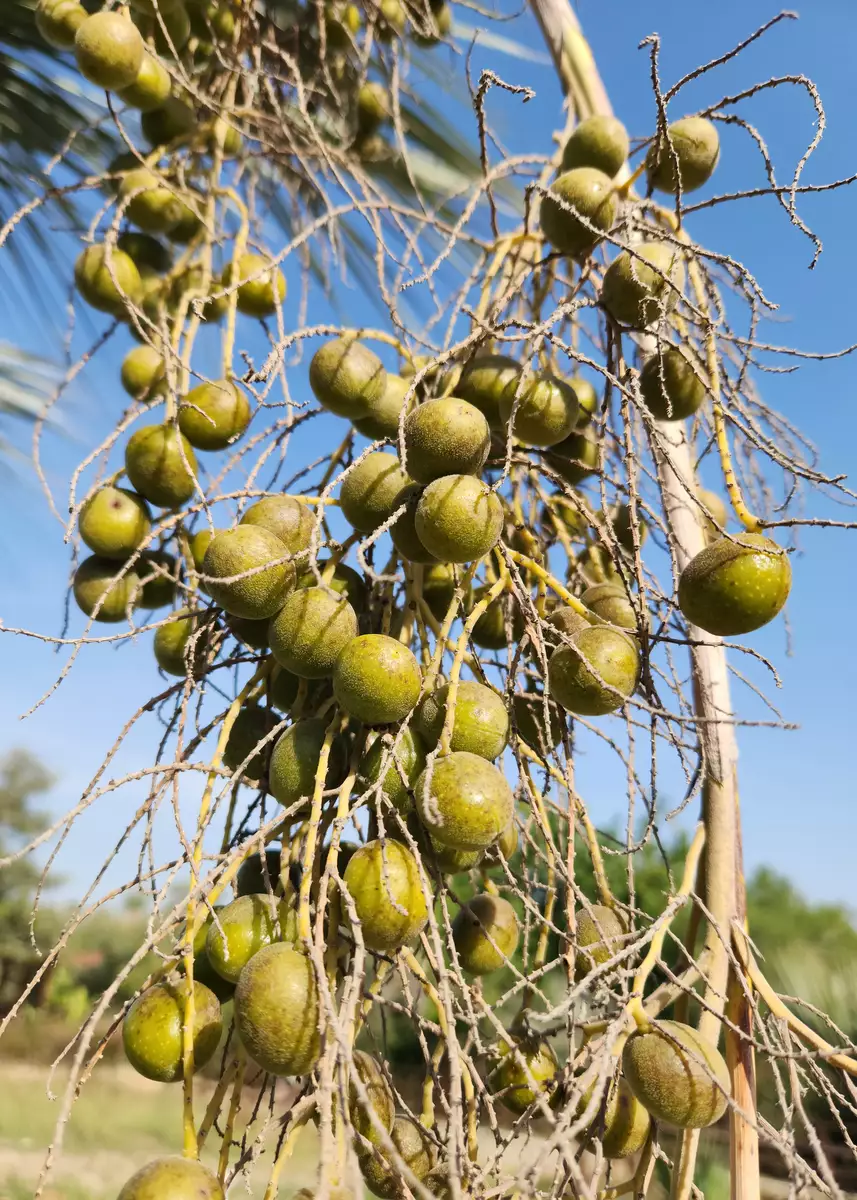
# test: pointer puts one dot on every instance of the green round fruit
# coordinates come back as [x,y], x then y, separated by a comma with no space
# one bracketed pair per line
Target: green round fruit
[541,736]
[58,22]
[95,273]
[151,87]
[480,724]
[382,418]
[597,674]
[719,518]
[295,758]
[526,1073]
[639,288]
[507,842]
[94,588]
[490,629]
[143,373]
[459,519]
[407,759]
[345,580]
[566,621]
[114,522]
[311,630]
[161,465]
[377,679]
[439,588]
[277,1011]
[485,380]
[622,1125]
[576,457]
[147,252]
[601,933]
[598,142]
[578,210]
[347,378]
[393,20]
[261,287]
[246,925]
[403,531]
[203,972]
[414,1147]
[485,933]
[185,230]
[695,143]
[152,1030]
[259,875]
[370,489]
[213,415]
[587,399]
[734,586]
[170,647]
[611,603]
[109,50]
[342,24]
[250,728]
[379,1099]
[445,437]
[546,412]
[199,543]
[373,106]
[170,43]
[671,387]
[253,634]
[464,801]
[172,121]
[383,880]
[620,521]
[454,862]
[158,573]
[248,548]
[288,519]
[678,1075]
[173,1178]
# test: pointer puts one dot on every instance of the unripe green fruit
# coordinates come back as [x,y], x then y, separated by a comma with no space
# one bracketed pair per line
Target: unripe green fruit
[161,465]
[184,231]
[259,875]
[410,756]
[345,580]
[143,373]
[445,437]
[174,1178]
[373,106]
[250,727]
[151,87]
[213,415]
[95,273]
[152,205]
[670,386]
[441,25]
[546,412]
[311,630]
[261,287]
[638,288]
[624,1125]
[599,142]
[601,933]
[177,22]
[677,1074]
[370,489]
[439,588]
[598,654]
[114,522]
[277,1011]
[146,251]
[170,647]
[485,933]
[382,418]
[566,621]
[383,880]
[379,1097]
[464,801]
[485,380]
[152,1030]
[109,50]
[253,634]
[246,925]
[490,629]
[587,399]
[414,1147]
[610,602]
[576,457]
[459,519]
[507,842]
[199,543]
[294,762]
[735,586]
[480,724]
[342,23]
[203,972]
[526,1072]
[694,141]
[347,378]
[719,514]
[392,23]
[158,573]
[174,119]
[94,586]
[578,210]
[454,862]
[403,531]
[248,548]
[377,679]
[530,722]
[59,20]
[288,519]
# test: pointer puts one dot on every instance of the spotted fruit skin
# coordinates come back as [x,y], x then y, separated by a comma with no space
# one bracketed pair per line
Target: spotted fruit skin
[173,1178]
[161,465]
[377,679]
[485,932]
[414,1147]
[599,142]
[480,724]
[547,411]
[591,210]
[446,437]
[677,1075]
[285,517]
[152,1030]
[463,801]
[735,585]
[347,378]
[459,519]
[248,548]
[94,588]
[245,926]
[484,380]
[525,1073]
[410,756]
[379,1097]
[383,880]
[294,761]
[623,1124]
[370,491]
[639,287]
[694,141]
[600,934]
[671,387]
[277,1011]
[597,674]
[311,630]
[114,522]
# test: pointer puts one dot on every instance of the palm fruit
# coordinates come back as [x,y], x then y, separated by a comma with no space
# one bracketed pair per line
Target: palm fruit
[248,548]
[203,972]
[146,251]
[261,287]
[171,38]
[383,880]
[719,514]
[377,679]
[345,580]
[108,282]
[173,1178]
[622,1125]
[526,1072]
[109,50]
[184,231]
[546,413]
[734,586]
[393,18]
[283,689]
[578,210]
[439,588]
[170,646]
[151,204]
[295,758]
[414,1147]
[507,842]
[311,630]
[403,531]
[382,419]
[250,727]
[598,142]
[59,20]
[288,519]
[220,130]
[152,1030]
[567,621]
[94,587]
[587,399]
[490,628]
[454,862]
[114,522]
[480,724]
[259,875]
[576,457]
[161,465]
[485,380]
[158,571]
[638,288]
[440,16]
[610,603]
[342,23]
[601,933]
[378,1100]
[213,415]
[485,933]
[347,378]
[246,925]
[199,543]
[677,1074]
[277,1011]
[463,801]
[695,143]
[541,736]
[370,489]
[408,759]
[253,634]
[597,674]
[172,120]
[670,385]
[459,518]
[373,106]
[445,437]
[620,520]
[151,87]
[143,373]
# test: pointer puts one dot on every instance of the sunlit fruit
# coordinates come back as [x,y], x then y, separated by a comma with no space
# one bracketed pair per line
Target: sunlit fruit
[611,603]
[459,518]
[212,415]
[678,1075]
[719,514]
[248,572]
[152,1030]
[598,141]
[485,932]
[108,280]
[311,630]
[161,465]
[259,874]
[597,673]
[99,594]
[261,287]
[289,520]
[171,646]
[463,801]
[480,724]
[735,585]
[526,1072]
[640,287]
[601,933]
[251,726]
[484,381]
[171,121]
[295,762]
[373,106]
[246,925]
[622,1124]
[393,19]
[114,522]
[546,412]
[587,399]
[445,437]
[403,531]
[173,1178]
[376,1099]
[151,87]
[59,20]
[382,417]
[109,50]
[347,378]
[370,489]
[413,1146]
[143,373]
[692,145]
[406,758]
[377,679]
[277,1011]
[671,386]
[579,208]
[383,880]
[575,457]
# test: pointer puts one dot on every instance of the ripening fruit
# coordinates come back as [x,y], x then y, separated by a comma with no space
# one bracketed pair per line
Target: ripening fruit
[507,842]
[250,727]
[109,50]
[370,489]
[152,205]
[295,759]
[576,457]
[459,518]
[170,646]
[546,412]
[261,287]
[173,1178]
[253,634]
[719,514]
[379,1099]
[203,972]
[311,630]
[445,437]
[373,106]
[439,588]
[246,925]
[277,1011]
[377,679]
[345,580]
[485,380]
[347,378]
[94,587]
[392,23]
[407,759]
[734,586]
[258,875]
[213,415]
[480,724]
[599,142]
[587,399]
[622,1126]
[152,1030]
[382,418]
[248,548]
[490,629]
[525,1073]
[694,141]
[94,279]
[565,620]
[161,465]
[199,543]
[59,20]
[464,801]
[671,386]
[670,1069]
[597,674]
[289,520]
[173,120]
[158,573]
[414,1147]
[610,603]
[639,288]
[150,89]
[143,373]
[114,522]
[383,880]
[541,736]
[578,210]
[485,933]
[601,933]
[403,531]
[454,862]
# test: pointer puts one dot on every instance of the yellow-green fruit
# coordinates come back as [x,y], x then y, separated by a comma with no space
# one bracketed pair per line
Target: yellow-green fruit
[109,50]
[393,18]
[382,418]
[677,1074]
[639,288]
[490,629]
[623,1126]
[347,378]
[295,759]
[161,465]
[597,674]
[599,142]
[480,724]
[670,385]
[566,621]
[610,602]
[370,489]
[288,519]
[734,586]
[246,925]
[541,736]
[546,412]
[277,1011]
[146,251]
[484,382]
[151,203]
[719,514]
[342,23]
[170,646]
[199,543]
[345,580]
[261,287]
[694,141]
[114,522]
[378,1100]
[601,934]
[250,633]
[94,588]
[485,933]
[203,972]
[174,119]
[619,518]
[59,20]
[259,875]
[459,518]
[143,373]
[454,862]
[170,44]
[383,880]
[414,1147]
[152,1030]
[311,630]
[184,230]
[108,283]
[406,763]
[439,588]
[158,573]
[151,87]
[526,1073]
[213,415]
[377,679]
[248,548]
[440,16]
[403,531]
[576,457]
[578,210]
[464,801]
[446,437]
[220,130]
[173,1178]
[250,728]
[587,399]
[373,106]
[507,842]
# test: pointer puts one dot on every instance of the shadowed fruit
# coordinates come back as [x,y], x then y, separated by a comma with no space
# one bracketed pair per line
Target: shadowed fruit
[414,1147]
[95,588]
[403,531]
[259,875]
[373,106]
[213,415]
[174,119]
[463,801]
[393,20]
[377,679]
[161,465]
[670,386]
[173,1178]
[485,380]
[445,437]
[199,543]
[277,1011]
[574,458]
[59,20]
[370,490]
[246,925]
[288,519]
[611,603]
[378,1097]
[485,933]
[248,548]
[619,519]
[601,933]
[459,519]
[480,724]
[454,862]
[490,629]
[152,1030]
[170,646]
[599,142]
[250,633]
[345,580]
[539,735]
[114,522]
[507,842]
[261,287]
[566,621]
[382,418]
[311,630]
[677,1074]
[151,87]
[342,23]
[546,413]
[203,972]
[108,283]
[623,1125]
[638,288]
[719,514]
[295,759]
[525,1073]
[596,674]
[439,588]
[143,373]
[147,252]
[184,230]
[383,880]
[587,398]
[735,586]
[109,50]
[410,756]
[252,724]
[578,210]
[158,573]
[695,143]
[347,378]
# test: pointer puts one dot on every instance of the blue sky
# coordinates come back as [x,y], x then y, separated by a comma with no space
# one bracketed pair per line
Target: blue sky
[797,788]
